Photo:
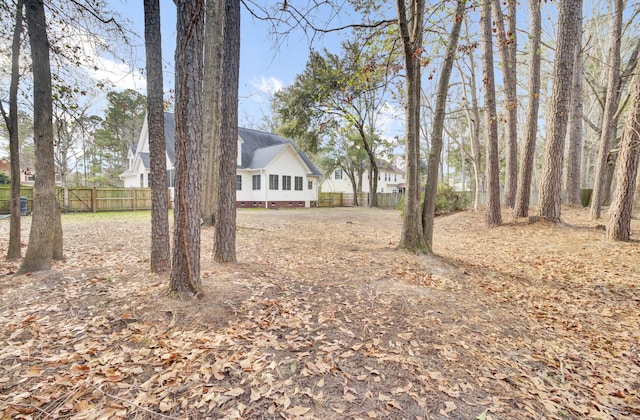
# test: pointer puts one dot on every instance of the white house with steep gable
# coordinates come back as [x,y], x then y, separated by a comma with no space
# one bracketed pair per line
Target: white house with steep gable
[271,171]
[391,179]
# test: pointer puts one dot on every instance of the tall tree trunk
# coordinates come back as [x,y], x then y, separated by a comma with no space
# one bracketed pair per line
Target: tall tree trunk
[622,80]
[373,165]
[551,179]
[160,252]
[373,186]
[431,188]
[619,227]
[224,239]
[507,47]
[523,193]
[46,214]
[575,127]
[473,120]
[14,252]
[493,215]
[211,113]
[185,270]
[611,103]
[412,237]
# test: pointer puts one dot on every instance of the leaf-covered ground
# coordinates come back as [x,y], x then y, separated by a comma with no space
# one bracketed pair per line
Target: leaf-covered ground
[323,318]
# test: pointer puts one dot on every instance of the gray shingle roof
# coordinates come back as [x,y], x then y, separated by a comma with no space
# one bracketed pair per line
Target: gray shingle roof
[264,155]
[258,149]
[145,158]
[169,134]
[255,140]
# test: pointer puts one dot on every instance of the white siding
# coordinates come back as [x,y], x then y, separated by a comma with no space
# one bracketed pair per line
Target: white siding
[343,185]
[286,163]
[248,193]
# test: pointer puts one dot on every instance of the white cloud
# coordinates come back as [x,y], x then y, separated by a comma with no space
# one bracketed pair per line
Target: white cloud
[265,87]
[119,75]
[391,121]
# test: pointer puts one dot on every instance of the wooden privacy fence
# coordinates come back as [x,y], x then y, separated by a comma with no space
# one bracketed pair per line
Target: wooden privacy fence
[331,199]
[87,199]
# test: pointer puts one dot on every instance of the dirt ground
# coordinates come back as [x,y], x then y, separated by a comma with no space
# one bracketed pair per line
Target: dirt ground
[323,318]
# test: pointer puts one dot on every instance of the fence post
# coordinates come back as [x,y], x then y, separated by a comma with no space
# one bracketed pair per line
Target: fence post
[134,198]
[94,200]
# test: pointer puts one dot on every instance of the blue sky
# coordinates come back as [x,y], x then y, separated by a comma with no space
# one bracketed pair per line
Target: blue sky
[264,65]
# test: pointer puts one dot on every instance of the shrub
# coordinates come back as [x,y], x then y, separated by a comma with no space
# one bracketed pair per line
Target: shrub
[5,179]
[447,200]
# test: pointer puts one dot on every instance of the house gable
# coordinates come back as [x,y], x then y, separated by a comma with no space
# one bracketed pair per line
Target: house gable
[259,154]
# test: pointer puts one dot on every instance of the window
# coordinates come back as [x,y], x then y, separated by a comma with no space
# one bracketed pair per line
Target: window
[58,178]
[338,174]
[141,180]
[395,178]
[286,182]
[238,182]
[273,182]
[256,181]
[298,183]
[310,186]
[171,175]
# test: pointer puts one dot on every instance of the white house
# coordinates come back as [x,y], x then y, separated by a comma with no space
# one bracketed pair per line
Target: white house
[271,171]
[391,179]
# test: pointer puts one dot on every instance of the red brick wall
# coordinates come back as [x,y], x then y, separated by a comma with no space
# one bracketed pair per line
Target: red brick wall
[271,204]
[5,165]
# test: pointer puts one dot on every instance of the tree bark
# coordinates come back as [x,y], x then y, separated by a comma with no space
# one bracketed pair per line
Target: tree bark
[224,239]
[575,127]
[611,103]
[612,158]
[431,188]
[211,113]
[160,250]
[619,227]
[412,237]
[45,221]
[14,251]
[473,120]
[507,47]
[551,179]
[493,215]
[523,192]
[185,270]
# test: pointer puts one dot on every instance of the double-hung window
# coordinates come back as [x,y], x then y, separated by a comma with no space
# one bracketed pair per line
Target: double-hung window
[273,182]
[338,174]
[298,181]
[238,182]
[286,182]
[256,182]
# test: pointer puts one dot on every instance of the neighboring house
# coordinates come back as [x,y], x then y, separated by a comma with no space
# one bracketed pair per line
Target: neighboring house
[5,165]
[391,179]
[27,176]
[271,171]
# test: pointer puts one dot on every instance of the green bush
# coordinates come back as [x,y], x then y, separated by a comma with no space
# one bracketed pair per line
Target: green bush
[5,179]
[447,200]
